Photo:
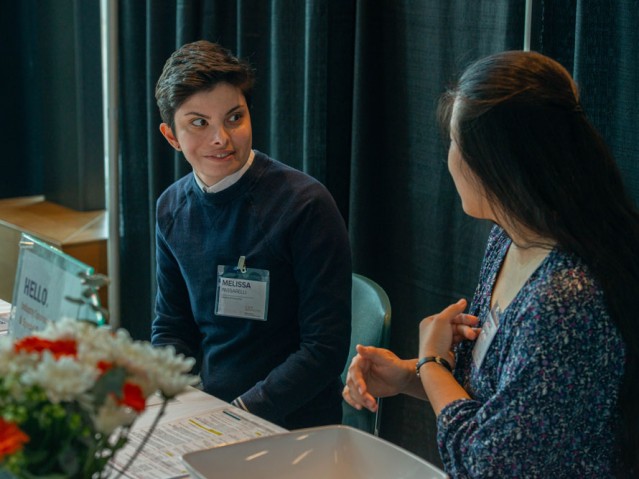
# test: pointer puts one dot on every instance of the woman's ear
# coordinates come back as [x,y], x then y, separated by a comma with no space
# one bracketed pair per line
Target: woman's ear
[170,137]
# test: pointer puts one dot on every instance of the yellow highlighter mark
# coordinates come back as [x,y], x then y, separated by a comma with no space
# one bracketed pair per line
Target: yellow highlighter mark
[202,426]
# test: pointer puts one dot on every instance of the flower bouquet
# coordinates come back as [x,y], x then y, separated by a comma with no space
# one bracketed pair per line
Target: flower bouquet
[70,394]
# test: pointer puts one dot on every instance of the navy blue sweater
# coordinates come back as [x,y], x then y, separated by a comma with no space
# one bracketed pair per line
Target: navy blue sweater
[285,369]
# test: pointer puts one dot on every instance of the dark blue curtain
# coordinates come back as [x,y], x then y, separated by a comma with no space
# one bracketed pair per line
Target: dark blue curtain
[51,126]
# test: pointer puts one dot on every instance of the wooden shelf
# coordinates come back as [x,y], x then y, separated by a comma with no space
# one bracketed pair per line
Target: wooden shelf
[81,234]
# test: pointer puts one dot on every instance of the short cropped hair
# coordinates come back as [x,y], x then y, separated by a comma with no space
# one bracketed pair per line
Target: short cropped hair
[197,67]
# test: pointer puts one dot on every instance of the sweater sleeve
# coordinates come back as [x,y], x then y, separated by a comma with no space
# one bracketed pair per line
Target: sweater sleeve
[173,324]
[552,397]
[320,254]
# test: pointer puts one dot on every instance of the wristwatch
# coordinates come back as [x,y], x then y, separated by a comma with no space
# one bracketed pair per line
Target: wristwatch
[432,359]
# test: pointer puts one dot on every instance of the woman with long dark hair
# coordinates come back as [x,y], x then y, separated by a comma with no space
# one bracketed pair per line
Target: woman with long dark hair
[541,377]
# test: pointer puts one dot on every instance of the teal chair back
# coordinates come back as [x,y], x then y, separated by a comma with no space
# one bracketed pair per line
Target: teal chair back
[371,319]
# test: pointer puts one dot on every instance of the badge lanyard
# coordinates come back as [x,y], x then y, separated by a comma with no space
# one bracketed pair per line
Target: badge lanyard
[242,292]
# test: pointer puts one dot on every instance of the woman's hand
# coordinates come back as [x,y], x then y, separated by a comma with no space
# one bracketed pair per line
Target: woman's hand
[440,332]
[376,372]
[437,336]
[373,373]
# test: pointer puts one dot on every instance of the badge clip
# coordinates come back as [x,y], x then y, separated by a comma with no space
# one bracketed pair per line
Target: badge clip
[241,264]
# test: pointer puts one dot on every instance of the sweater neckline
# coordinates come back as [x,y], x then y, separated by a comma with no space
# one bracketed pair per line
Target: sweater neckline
[244,184]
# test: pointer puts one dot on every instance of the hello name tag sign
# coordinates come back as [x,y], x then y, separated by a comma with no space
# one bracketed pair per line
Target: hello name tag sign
[44,278]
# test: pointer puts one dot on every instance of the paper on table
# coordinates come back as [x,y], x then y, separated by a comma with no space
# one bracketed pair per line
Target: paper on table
[161,456]
[5,310]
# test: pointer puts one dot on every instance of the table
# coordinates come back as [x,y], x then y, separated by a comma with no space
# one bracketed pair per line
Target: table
[194,421]
[81,234]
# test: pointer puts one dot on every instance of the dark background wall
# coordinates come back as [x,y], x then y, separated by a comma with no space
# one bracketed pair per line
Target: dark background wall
[51,87]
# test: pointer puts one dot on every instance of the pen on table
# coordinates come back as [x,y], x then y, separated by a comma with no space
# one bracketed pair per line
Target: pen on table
[228,413]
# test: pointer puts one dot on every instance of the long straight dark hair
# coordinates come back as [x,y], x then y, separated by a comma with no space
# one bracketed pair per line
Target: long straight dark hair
[564,185]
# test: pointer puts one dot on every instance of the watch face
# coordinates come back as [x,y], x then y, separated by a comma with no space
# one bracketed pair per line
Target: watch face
[432,359]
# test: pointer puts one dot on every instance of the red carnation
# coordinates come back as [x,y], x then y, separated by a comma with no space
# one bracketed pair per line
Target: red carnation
[132,397]
[12,439]
[34,344]
[104,366]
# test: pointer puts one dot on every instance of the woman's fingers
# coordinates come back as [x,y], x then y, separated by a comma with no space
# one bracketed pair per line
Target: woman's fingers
[462,332]
[346,394]
[452,311]
[373,372]
[355,391]
[466,319]
[464,327]
[358,401]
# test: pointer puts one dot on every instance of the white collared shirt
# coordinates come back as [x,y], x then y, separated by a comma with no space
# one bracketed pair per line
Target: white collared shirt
[227,181]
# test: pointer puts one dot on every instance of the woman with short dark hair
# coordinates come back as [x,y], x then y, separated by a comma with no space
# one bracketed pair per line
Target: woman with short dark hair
[253,257]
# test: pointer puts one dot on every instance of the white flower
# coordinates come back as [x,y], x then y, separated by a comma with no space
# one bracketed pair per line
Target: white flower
[6,353]
[63,379]
[171,371]
[172,386]
[92,376]
[110,416]
[72,377]
[65,328]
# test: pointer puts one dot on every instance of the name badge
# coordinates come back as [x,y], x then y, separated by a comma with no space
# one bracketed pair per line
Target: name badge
[486,336]
[242,292]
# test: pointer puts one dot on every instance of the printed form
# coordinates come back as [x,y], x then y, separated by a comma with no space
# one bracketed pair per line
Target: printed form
[210,422]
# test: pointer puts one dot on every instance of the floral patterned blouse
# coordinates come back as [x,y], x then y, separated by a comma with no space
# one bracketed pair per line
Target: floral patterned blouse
[544,398]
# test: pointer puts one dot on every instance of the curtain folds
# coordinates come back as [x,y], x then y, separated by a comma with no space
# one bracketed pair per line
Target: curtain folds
[407,228]
[607,71]
[346,91]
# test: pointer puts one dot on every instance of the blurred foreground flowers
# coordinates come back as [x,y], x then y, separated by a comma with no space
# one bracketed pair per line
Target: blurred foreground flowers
[69,395]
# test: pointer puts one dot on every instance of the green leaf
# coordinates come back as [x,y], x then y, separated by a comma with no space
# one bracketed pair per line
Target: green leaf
[110,382]
[99,309]
[74,300]
[88,293]
[95,280]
